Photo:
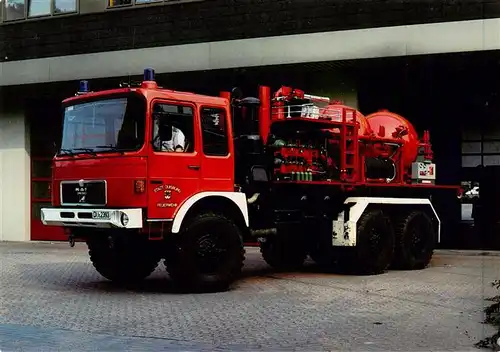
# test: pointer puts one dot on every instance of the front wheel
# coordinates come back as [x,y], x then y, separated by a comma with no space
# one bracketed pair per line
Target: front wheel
[207,255]
[122,259]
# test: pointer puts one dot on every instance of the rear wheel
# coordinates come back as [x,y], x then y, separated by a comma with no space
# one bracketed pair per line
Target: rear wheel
[283,254]
[207,255]
[415,241]
[122,259]
[374,249]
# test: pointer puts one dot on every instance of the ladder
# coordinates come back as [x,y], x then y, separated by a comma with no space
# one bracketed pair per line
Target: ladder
[349,147]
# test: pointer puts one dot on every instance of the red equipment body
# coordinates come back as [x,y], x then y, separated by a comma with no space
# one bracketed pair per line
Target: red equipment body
[300,173]
[335,112]
[390,124]
[380,148]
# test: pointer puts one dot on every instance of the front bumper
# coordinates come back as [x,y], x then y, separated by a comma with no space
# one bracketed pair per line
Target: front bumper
[97,218]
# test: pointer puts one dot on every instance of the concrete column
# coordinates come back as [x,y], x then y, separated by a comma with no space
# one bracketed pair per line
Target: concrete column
[15,203]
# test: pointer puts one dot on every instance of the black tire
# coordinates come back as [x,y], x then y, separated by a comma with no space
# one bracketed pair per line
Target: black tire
[374,250]
[208,254]
[122,259]
[283,254]
[415,241]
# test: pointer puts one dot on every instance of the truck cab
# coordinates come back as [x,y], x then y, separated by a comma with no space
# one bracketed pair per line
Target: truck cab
[136,155]
[138,163]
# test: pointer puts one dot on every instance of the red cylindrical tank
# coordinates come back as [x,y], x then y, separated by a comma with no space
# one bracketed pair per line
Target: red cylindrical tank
[390,122]
[334,111]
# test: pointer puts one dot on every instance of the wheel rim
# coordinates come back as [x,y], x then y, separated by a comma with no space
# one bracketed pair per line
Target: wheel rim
[377,241]
[379,246]
[211,253]
[419,241]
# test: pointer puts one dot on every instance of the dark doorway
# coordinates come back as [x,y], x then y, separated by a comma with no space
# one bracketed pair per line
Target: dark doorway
[44,120]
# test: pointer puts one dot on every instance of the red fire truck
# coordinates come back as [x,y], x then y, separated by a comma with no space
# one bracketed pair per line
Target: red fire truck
[145,174]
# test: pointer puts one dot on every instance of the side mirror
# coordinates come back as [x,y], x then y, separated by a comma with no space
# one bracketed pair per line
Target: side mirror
[165,132]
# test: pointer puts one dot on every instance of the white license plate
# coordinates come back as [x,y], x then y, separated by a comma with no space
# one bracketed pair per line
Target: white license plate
[101,215]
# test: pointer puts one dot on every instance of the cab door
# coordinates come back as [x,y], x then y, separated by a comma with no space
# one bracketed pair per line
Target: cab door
[173,176]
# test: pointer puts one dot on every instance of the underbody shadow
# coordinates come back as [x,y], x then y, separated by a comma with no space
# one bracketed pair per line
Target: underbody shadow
[80,276]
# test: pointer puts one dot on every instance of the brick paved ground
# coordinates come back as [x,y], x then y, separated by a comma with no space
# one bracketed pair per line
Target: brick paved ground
[52,299]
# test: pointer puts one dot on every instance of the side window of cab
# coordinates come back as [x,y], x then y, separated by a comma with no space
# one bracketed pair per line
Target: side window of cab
[214,131]
[173,128]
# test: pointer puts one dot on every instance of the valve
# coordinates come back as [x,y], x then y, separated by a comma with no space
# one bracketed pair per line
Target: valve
[400,132]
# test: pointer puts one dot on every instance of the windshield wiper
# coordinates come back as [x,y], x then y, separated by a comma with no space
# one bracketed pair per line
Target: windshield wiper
[86,150]
[66,152]
[115,148]
[109,146]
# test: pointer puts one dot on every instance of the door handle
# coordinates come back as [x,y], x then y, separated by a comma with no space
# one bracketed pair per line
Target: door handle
[194,167]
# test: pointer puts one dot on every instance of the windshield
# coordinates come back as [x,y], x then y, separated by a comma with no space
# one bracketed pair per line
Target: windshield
[111,124]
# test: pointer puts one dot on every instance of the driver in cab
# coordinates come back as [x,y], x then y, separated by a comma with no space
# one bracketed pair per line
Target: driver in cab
[167,137]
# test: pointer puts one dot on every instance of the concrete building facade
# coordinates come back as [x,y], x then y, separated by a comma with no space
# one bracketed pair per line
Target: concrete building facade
[329,47]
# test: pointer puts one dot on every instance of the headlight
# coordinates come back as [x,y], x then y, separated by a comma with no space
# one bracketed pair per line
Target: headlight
[124,219]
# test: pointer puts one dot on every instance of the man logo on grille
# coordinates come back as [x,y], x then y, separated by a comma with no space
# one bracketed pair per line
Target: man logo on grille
[81,198]
[81,191]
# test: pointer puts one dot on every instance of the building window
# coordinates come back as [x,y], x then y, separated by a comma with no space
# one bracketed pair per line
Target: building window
[64,6]
[115,3]
[39,8]
[18,9]
[14,10]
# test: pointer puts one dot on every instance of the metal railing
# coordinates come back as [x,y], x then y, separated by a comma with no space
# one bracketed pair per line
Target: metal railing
[311,111]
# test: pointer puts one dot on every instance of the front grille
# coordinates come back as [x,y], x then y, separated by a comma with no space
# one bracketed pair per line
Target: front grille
[83,193]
